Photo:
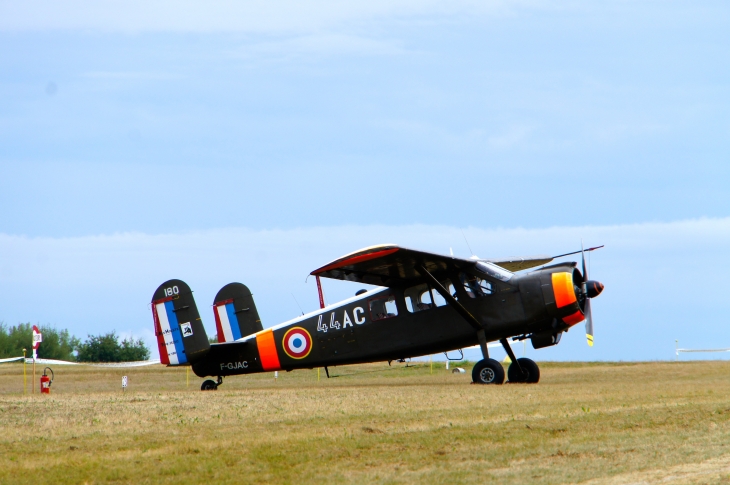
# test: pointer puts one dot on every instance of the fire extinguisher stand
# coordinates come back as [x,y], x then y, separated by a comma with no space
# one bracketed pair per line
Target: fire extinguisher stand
[46,381]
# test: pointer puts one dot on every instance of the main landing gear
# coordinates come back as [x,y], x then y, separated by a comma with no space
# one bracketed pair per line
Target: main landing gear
[211,385]
[529,373]
[490,371]
[487,371]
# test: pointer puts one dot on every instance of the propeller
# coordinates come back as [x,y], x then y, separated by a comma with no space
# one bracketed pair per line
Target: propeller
[589,289]
[587,304]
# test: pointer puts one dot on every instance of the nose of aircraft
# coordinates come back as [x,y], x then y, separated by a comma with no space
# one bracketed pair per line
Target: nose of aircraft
[593,288]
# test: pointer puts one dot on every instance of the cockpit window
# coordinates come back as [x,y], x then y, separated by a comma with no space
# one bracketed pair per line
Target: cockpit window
[494,271]
[475,286]
[383,307]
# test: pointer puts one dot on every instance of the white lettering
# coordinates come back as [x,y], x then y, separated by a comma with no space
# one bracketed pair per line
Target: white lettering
[333,323]
[235,365]
[320,326]
[346,320]
[354,314]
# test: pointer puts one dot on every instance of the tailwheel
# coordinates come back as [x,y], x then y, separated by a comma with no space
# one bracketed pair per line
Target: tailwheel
[487,371]
[209,385]
[529,374]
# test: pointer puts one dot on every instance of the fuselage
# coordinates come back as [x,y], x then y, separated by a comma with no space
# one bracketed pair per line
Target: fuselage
[397,323]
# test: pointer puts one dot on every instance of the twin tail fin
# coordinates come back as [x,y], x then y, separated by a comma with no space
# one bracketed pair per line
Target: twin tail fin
[235,313]
[181,337]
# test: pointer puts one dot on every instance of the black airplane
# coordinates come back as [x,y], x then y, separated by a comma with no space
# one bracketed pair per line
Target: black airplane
[424,304]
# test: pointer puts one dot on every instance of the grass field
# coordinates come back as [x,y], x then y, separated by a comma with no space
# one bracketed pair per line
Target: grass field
[583,423]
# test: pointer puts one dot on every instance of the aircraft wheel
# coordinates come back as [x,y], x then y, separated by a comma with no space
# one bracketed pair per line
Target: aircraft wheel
[209,386]
[487,371]
[531,376]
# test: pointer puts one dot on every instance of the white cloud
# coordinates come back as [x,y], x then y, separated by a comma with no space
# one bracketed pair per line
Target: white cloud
[303,46]
[130,75]
[511,137]
[226,16]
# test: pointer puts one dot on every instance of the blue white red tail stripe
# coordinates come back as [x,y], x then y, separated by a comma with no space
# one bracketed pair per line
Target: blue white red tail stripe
[227,322]
[170,333]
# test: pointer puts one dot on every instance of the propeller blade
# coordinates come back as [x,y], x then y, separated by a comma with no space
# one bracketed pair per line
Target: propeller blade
[589,322]
[587,301]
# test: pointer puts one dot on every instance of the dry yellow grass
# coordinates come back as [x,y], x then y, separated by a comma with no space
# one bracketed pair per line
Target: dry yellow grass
[584,423]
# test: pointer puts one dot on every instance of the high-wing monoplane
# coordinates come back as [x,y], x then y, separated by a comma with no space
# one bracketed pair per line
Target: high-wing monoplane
[424,303]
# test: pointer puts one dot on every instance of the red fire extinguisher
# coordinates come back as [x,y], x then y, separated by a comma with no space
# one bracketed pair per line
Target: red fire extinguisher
[46,381]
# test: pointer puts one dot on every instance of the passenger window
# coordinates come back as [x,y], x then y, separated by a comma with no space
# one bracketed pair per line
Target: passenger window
[383,307]
[474,286]
[418,298]
[422,297]
[437,298]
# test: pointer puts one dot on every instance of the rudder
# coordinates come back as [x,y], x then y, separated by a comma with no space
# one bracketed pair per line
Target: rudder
[235,313]
[181,337]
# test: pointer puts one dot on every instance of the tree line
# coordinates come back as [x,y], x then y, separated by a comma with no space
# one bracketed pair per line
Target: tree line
[61,345]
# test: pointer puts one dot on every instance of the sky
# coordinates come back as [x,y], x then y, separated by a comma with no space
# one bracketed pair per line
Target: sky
[254,142]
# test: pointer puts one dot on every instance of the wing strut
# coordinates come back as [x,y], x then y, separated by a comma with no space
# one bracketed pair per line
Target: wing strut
[452,301]
[321,296]
[468,317]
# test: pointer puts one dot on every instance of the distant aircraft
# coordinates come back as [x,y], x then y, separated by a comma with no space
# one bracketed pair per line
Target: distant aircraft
[425,303]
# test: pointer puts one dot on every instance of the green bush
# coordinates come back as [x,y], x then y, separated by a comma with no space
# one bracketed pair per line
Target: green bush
[107,348]
[57,344]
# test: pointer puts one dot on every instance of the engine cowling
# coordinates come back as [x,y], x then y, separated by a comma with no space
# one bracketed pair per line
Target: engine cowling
[565,291]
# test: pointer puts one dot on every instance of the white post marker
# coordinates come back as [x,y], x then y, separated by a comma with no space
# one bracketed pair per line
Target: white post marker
[676,350]
[276,374]
[124,383]
[37,339]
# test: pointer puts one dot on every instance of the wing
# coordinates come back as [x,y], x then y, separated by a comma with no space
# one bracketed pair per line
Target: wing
[518,264]
[391,265]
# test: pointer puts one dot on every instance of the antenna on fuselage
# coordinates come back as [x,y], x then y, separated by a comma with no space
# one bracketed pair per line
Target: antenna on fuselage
[297,302]
[467,242]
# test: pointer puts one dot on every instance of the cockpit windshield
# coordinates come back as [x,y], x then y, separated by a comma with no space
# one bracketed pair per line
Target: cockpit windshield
[494,271]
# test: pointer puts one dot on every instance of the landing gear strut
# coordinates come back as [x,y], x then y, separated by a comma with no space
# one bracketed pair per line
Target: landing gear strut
[210,385]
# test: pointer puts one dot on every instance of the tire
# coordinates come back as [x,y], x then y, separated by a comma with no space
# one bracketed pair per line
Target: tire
[487,371]
[209,386]
[529,365]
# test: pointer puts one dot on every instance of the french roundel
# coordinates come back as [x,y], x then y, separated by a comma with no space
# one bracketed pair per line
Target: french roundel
[297,343]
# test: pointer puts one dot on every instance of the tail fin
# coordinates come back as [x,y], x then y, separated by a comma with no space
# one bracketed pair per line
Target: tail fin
[180,334]
[235,313]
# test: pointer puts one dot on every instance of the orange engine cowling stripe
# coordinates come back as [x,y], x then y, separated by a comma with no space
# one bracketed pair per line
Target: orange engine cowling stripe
[574,318]
[563,289]
[267,350]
